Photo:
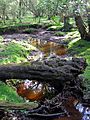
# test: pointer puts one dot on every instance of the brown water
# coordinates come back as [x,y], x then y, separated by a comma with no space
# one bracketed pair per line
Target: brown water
[45,46]
[48,47]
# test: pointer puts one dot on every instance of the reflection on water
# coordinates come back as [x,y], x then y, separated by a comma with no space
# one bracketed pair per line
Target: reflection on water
[84,110]
[48,47]
[34,90]
[76,111]
[31,90]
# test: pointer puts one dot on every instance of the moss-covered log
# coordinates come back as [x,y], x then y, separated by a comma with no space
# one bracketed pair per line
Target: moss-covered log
[55,71]
[18,106]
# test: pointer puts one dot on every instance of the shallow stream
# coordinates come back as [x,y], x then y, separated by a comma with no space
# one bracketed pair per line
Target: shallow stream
[46,48]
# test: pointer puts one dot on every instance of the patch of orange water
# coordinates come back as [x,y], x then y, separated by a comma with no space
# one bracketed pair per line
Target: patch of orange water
[30,94]
[49,47]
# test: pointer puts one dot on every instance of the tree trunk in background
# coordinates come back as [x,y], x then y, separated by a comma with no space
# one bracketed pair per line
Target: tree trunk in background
[3,17]
[87,8]
[20,10]
[66,22]
[82,28]
[67,26]
[88,19]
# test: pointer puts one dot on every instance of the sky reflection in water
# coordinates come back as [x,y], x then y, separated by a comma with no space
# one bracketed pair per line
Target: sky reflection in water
[84,110]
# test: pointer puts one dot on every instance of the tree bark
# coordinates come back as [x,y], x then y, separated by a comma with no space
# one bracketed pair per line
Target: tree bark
[67,26]
[82,28]
[20,10]
[54,71]
[89,19]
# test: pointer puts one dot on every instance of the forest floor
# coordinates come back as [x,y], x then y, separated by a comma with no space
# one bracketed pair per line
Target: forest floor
[42,34]
[14,48]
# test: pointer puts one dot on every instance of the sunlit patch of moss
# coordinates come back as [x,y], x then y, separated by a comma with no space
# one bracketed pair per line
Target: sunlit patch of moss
[54,28]
[47,24]
[79,45]
[13,52]
[71,36]
[26,63]
[8,94]
[87,71]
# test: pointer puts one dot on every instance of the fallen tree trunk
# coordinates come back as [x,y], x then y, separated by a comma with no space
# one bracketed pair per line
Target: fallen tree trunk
[48,70]
[62,74]
[55,71]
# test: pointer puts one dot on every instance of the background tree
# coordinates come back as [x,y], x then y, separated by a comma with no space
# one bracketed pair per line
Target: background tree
[81,12]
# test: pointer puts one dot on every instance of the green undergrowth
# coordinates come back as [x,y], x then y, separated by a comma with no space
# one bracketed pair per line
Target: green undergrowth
[12,53]
[29,30]
[59,33]
[30,20]
[54,27]
[15,51]
[27,27]
[81,48]
[24,21]
[7,93]
[18,27]
[10,26]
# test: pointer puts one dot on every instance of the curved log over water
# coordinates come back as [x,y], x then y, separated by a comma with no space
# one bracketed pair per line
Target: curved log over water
[53,70]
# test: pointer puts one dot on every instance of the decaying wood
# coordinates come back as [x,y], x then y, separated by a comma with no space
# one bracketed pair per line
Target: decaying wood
[49,70]
[62,74]
[17,106]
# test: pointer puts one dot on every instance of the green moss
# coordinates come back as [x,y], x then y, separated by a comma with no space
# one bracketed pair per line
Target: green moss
[60,33]
[81,48]
[30,30]
[47,24]
[54,28]
[1,38]
[13,52]
[9,94]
